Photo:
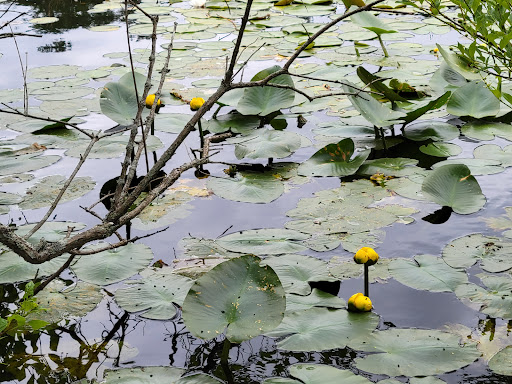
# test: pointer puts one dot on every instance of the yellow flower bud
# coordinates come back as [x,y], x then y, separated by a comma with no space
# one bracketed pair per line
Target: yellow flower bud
[366,255]
[151,99]
[363,303]
[196,103]
[351,306]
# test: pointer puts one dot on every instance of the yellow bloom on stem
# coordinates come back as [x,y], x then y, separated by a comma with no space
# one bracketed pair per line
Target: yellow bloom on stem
[151,99]
[350,304]
[196,103]
[363,303]
[366,255]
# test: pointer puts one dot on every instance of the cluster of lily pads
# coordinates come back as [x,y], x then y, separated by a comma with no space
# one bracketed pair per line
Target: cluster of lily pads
[276,291]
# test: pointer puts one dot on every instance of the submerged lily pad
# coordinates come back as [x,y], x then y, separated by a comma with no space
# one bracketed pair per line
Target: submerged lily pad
[428,273]
[297,271]
[492,253]
[155,294]
[414,352]
[225,297]
[112,266]
[330,329]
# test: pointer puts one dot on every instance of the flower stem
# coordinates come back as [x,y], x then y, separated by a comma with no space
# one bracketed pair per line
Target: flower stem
[366,282]
[383,46]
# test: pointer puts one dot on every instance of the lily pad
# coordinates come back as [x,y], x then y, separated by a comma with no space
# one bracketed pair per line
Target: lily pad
[398,166]
[454,186]
[431,130]
[155,294]
[266,143]
[13,268]
[248,187]
[441,149]
[44,192]
[334,160]
[146,375]
[317,298]
[414,352]
[7,199]
[199,378]
[51,231]
[482,130]
[272,241]
[476,166]
[492,253]
[427,273]
[238,294]
[112,266]
[297,271]
[473,99]
[494,152]
[321,374]
[331,329]
[501,363]
[25,163]
[495,300]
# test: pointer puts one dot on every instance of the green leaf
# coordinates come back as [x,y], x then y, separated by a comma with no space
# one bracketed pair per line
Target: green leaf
[296,272]
[495,301]
[473,99]
[334,160]
[3,324]
[494,152]
[118,99]
[238,294]
[322,374]
[492,252]
[372,110]
[266,143]
[248,187]
[398,166]
[51,231]
[36,325]
[427,273]
[368,21]
[199,378]
[431,130]
[431,105]
[476,166]
[456,63]
[317,298]
[264,100]
[376,84]
[414,352]
[114,265]
[269,241]
[14,269]
[484,130]
[501,363]
[454,186]
[320,329]
[155,294]
[144,375]
[10,165]
[441,149]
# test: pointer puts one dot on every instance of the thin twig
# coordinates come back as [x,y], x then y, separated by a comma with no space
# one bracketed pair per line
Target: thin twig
[57,273]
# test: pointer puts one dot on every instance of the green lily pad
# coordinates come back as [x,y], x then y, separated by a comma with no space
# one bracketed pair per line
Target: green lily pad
[227,295]
[271,241]
[248,187]
[7,199]
[331,328]
[441,149]
[53,71]
[25,163]
[14,269]
[44,192]
[61,302]
[482,130]
[199,378]
[112,266]
[431,130]
[458,64]
[473,99]
[492,253]
[317,298]
[495,301]
[427,273]
[297,271]
[347,269]
[414,352]
[51,231]
[234,122]
[494,152]
[398,166]
[265,100]
[501,363]
[44,20]
[266,143]
[320,374]
[454,186]
[146,375]
[476,166]
[334,160]
[204,248]
[155,294]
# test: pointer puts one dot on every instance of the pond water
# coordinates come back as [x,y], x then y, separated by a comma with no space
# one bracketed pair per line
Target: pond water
[91,35]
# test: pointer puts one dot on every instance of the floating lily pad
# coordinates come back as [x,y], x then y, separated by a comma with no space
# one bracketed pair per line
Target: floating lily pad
[146,375]
[482,130]
[13,268]
[347,269]
[7,199]
[53,71]
[427,273]
[398,166]
[331,328]
[266,143]
[492,253]
[441,149]
[25,163]
[320,374]
[494,152]
[334,160]
[476,166]
[431,130]
[112,266]
[454,186]
[46,190]
[414,352]
[204,248]
[51,231]
[61,302]
[501,363]
[495,300]
[226,296]
[248,187]
[155,294]
[44,20]
[199,378]
[317,298]
[272,241]
[297,271]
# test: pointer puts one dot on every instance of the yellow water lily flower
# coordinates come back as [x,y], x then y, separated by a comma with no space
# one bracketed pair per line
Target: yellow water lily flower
[363,303]
[196,103]
[366,255]
[151,99]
